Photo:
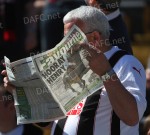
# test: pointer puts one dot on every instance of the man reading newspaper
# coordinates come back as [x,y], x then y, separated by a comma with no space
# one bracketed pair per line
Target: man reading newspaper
[116,108]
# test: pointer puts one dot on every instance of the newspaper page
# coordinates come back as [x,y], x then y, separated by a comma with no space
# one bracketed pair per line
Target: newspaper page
[50,84]
[33,101]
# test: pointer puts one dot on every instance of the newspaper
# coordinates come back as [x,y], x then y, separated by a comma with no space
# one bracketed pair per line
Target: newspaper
[50,84]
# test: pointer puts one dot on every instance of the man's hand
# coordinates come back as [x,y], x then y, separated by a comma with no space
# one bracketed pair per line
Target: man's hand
[97,60]
[7,84]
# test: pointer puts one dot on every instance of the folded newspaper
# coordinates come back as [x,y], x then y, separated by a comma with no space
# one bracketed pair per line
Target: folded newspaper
[50,84]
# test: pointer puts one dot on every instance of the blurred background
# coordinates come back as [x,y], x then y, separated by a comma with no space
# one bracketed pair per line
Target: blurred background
[29,27]
[136,14]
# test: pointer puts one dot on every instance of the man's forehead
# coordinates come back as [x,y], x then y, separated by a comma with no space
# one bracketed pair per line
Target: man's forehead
[69,24]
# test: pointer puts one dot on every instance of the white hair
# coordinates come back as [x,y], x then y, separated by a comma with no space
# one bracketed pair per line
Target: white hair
[94,19]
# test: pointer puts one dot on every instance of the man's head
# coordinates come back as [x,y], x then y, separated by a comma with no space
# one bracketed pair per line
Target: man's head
[105,5]
[7,111]
[90,20]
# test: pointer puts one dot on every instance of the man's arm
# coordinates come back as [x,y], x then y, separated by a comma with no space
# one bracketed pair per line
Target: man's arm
[123,102]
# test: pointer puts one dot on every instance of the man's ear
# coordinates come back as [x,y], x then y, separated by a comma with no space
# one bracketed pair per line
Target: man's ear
[96,36]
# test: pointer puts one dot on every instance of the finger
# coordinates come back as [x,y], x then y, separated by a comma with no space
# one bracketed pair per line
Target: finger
[93,51]
[89,58]
[88,48]
[4,73]
[6,80]
[9,87]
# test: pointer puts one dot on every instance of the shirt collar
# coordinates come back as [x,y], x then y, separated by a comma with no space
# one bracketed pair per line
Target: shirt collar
[109,53]
[113,14]
[17,131]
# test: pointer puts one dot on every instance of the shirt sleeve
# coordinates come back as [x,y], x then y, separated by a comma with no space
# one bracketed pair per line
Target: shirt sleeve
[132,75]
